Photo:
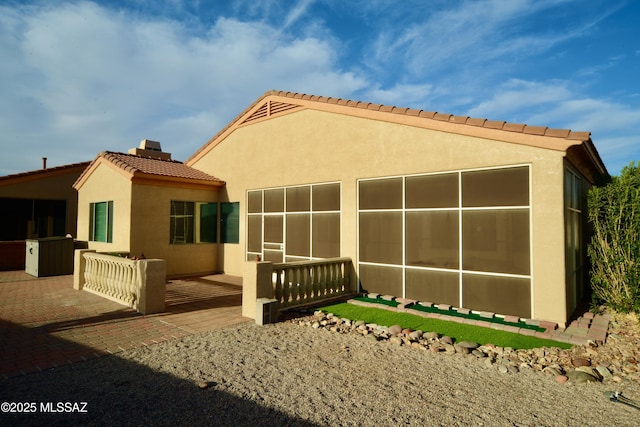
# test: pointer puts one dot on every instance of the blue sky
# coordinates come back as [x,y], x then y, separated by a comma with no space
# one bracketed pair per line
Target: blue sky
[77,78]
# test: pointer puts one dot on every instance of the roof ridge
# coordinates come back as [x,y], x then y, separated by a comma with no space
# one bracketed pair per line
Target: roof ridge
[465,120]
[141,157]
[49,169]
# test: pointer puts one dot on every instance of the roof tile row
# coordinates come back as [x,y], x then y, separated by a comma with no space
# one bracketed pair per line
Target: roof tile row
[171,168]
[472,121]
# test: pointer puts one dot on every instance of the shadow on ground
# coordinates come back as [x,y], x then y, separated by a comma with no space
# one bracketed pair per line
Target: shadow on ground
[121,392]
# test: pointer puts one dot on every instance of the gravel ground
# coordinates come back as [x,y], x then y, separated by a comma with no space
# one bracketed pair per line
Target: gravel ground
[286,374]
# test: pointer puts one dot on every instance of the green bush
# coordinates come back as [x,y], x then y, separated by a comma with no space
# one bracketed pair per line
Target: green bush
[614,251]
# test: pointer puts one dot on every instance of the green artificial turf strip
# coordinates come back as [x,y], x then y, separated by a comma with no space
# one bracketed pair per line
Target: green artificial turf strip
[458,331]
[452,313]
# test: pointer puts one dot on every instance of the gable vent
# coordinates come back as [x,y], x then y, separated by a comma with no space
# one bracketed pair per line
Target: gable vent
[270,108]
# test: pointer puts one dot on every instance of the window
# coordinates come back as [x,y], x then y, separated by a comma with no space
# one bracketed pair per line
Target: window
[182,222]
[101,222]
[294,223]
[193,222]
[230,222]
[573,195]
[460,238]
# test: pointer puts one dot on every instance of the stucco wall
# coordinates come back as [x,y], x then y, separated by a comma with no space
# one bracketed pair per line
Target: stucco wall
[313,147]
[106,184]
[150,229]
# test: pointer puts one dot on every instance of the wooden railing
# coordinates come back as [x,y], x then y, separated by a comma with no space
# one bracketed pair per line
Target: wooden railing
[299,283]
[139,284]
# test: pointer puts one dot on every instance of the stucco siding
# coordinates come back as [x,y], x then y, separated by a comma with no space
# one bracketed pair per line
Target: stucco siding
[310,146]
[107,184]
[150,230]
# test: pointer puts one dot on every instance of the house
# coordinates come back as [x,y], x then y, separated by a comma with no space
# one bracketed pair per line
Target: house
[36,204]
[143,204]
[468,212]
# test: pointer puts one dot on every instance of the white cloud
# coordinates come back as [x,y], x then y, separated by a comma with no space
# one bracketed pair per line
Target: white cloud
[465,34]
[557,104]
[516,95]
[89,78]
[401,95]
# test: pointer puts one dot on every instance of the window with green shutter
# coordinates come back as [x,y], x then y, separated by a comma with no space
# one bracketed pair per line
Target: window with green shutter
[101,222]
[230,222]
[208,222]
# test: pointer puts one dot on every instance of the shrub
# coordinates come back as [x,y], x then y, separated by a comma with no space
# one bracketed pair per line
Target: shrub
[614,251]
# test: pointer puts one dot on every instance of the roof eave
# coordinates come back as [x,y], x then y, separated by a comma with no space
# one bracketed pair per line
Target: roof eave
[536,136]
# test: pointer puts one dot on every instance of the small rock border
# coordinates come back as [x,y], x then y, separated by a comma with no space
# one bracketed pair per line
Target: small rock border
[591,362]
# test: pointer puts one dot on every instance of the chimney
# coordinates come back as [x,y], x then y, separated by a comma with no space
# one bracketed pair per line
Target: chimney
[151,149]
[44,163]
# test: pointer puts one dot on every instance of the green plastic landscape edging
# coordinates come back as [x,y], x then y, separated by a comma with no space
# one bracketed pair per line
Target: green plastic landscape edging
[452,313]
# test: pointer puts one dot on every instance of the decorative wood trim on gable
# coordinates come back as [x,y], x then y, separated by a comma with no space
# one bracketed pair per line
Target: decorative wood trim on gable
[270,108]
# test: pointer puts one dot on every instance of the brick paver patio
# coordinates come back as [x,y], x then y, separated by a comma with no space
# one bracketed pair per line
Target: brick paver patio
[45,323]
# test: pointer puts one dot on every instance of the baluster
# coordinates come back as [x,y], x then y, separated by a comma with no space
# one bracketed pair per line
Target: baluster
[293,284]
[345,276]
[332,279]
[316,278]
[100,277]
[124,286]
[132,283]
[111,279]
[286,294]
[88,279]
[297,294]
[306,294]
[278,286]
[323,282]
[115,283]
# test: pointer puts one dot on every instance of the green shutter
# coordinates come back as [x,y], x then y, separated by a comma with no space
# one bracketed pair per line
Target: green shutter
[101,218]
[208,222]
[110,221]
[230,222]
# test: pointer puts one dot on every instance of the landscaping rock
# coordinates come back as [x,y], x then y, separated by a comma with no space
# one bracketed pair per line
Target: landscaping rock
[579,377]
[446,340]
[468,344]
[617,359]
[461,349]
[430,335]
[395,329]
[561,379]
[579,361]
[414,335]
[604,373]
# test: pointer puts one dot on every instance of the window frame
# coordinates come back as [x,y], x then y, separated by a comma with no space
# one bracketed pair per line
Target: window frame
[460,209]
[194,222]
[315,210]
[108,233]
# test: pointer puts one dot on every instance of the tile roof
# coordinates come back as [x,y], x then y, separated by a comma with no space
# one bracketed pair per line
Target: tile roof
[57,170]
[470,121]
[280,97]
[147,166]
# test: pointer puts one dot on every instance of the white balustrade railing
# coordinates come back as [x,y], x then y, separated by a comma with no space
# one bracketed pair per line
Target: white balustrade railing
[304,282]
[139,284]
[112,276]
